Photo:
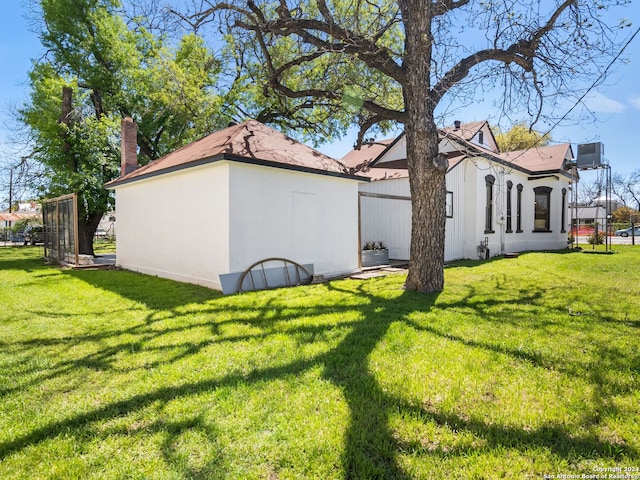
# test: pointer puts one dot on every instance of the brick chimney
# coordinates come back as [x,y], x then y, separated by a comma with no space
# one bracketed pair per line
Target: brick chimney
[128,146]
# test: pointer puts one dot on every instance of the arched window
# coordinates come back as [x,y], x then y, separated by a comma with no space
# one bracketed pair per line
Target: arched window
[519,209]
[488,221]
[509,209]
[563,221]
[542,210]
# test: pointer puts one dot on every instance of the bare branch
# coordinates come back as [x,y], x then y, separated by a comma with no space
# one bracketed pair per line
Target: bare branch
[522,53]
[441,7]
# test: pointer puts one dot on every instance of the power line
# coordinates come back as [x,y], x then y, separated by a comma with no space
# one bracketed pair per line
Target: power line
[596,81]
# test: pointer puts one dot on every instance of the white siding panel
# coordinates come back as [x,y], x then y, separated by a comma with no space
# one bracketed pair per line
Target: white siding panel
[304,223]
[304,217]
[398,186]
[387,220]
[397,152]
[159,233]
[455,226]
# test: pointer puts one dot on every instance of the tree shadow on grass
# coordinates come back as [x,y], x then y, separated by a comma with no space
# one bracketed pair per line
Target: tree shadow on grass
[372,448]
[27,264]
[154,292]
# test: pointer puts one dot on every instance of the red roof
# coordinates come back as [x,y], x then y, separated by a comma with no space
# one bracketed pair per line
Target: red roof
[251,142]
[359,158]
[16,216]
[534,160]
[540,159]
[359,161]
[466,131]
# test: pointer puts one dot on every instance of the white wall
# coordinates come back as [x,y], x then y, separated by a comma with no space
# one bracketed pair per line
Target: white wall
[500,241]
[528,239]
[398,151]
[308,218]
[457,226]
[160,232]
[387,220]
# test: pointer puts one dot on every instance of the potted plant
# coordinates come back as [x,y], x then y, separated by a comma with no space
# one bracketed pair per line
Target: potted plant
[374,253]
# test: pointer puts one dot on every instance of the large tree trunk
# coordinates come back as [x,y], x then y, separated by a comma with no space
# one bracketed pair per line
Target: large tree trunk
[428,191]
[86,231]
[427,168]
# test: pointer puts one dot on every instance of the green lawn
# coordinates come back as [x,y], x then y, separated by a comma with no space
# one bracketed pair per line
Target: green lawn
[521,368]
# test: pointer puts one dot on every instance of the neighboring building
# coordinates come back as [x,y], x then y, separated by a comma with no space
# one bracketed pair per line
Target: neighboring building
[107,226]
[7,220]
[588,217]
[260,195]
[26,210]
[29,207]
[496,203]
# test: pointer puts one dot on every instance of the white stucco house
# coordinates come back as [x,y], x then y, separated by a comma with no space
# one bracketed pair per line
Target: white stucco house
[496,202]
[260,195]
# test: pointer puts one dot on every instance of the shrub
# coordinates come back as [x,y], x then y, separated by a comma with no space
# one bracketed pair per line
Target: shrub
[374,246]
[596,239]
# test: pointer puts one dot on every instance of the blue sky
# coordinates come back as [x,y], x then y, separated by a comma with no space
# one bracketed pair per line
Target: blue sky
[616,104]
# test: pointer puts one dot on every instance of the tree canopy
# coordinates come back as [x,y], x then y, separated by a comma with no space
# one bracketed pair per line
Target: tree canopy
[98,69]
[520,137]
[624,214]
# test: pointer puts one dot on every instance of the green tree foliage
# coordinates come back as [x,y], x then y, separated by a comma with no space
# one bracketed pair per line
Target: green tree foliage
[98,69]
[315,97]
[520,137]
[623,214]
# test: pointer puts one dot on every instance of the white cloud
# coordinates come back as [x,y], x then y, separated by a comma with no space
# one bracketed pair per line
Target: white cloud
[635,101]
[597,102]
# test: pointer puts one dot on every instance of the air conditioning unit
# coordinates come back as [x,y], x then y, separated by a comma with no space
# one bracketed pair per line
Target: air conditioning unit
[590,155]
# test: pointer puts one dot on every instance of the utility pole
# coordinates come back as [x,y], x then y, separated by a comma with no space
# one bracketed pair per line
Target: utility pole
[10,193]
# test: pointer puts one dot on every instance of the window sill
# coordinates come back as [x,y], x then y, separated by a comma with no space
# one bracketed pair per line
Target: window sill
[509,231]
[542,231]
[489,231]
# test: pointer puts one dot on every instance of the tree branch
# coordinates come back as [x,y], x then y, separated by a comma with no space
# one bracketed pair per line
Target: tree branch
[522,53]
[275,83]
[441,7]
[345,41]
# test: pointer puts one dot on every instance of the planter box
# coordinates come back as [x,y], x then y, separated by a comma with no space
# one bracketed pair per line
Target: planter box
[371,258]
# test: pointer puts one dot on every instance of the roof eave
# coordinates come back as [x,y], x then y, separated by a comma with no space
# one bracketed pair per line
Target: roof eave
[232,158]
